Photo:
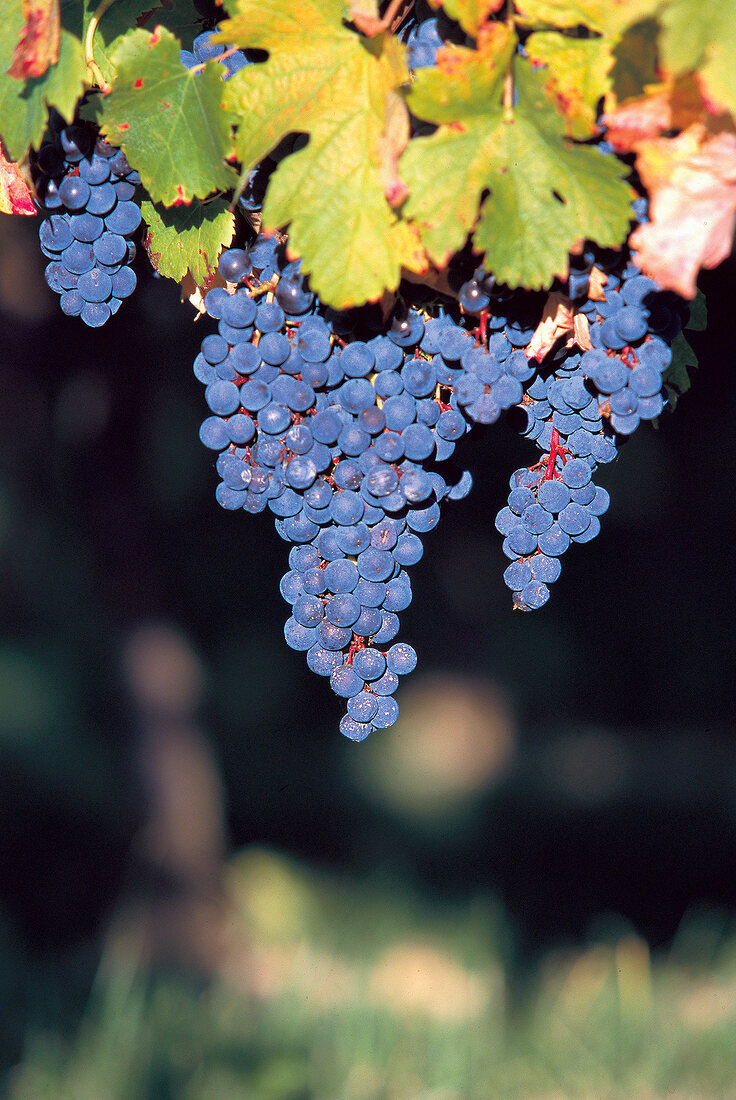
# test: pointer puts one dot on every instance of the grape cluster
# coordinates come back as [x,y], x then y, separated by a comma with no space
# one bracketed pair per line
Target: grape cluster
[422,42]
[87,191]
[347,442]
[203,50]
[579,412]
[344,427]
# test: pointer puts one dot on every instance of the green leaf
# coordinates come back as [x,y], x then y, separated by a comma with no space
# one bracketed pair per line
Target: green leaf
[698,320]
[544,194]
[470,14]
[343,91]
[168,120]
[24,105]
[187,238]
[677,376]
[700,36]
[577,76]
[181,19]
[610,17]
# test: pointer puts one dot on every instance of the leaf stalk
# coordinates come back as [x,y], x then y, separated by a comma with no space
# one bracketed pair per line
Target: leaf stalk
[89,54]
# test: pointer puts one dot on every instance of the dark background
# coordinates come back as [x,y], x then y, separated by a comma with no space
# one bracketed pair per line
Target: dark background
[609,789]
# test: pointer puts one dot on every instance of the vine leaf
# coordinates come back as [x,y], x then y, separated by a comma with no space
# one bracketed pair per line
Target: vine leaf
[187,238]
[677,376]
[336,193]
[16,196]
[40,37]
[700,36]
[577,76]
[544,193]
[470,14]
[691,180]
[698,319]
[635,61]
[24,104]
[168,120]
[608,17]
[180,18]
[673,106]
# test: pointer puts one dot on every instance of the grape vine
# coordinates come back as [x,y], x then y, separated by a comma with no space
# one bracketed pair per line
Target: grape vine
[401,222]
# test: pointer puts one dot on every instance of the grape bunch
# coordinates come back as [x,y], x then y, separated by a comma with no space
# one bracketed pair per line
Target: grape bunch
[579,412]
[203,50]
[344,427]
[87,193]
[342,433]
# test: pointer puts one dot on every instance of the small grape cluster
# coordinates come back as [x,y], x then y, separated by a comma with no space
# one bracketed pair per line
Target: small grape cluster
[87,192]
[203,50]
[579,413]
[343,426]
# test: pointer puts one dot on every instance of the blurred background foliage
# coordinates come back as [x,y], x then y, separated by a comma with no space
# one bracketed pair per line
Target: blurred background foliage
[524,889]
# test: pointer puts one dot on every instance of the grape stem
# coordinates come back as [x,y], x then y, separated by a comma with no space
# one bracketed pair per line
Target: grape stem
[370,26]
[221,57]
[555,449]
[89,53]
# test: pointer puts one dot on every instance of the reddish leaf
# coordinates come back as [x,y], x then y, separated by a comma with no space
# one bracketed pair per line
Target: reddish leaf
[667,107]
[691,181]
[38,46]
[637,120]
[16,196]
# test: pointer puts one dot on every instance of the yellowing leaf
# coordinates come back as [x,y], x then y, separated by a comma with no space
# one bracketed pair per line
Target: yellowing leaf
[691,181]
[544,194]
[577,76]
[470,14]
[335,194]
[610,17]
[38,46]
[16,196]
[700,35]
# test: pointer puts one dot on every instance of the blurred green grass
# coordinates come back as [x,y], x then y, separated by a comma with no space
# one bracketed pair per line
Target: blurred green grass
[330,988]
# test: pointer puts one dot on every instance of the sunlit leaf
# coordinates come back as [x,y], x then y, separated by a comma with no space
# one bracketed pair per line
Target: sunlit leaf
[544,193]
[470,14]
[577,77]
[168,120]
[335,194]
[700,35]
[187,238]
[691,180]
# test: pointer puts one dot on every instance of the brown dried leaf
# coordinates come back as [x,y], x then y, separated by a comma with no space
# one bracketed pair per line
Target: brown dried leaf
[691,180]
[597,282]
[580,333]
[16,196]
[38,45]
[557,321]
